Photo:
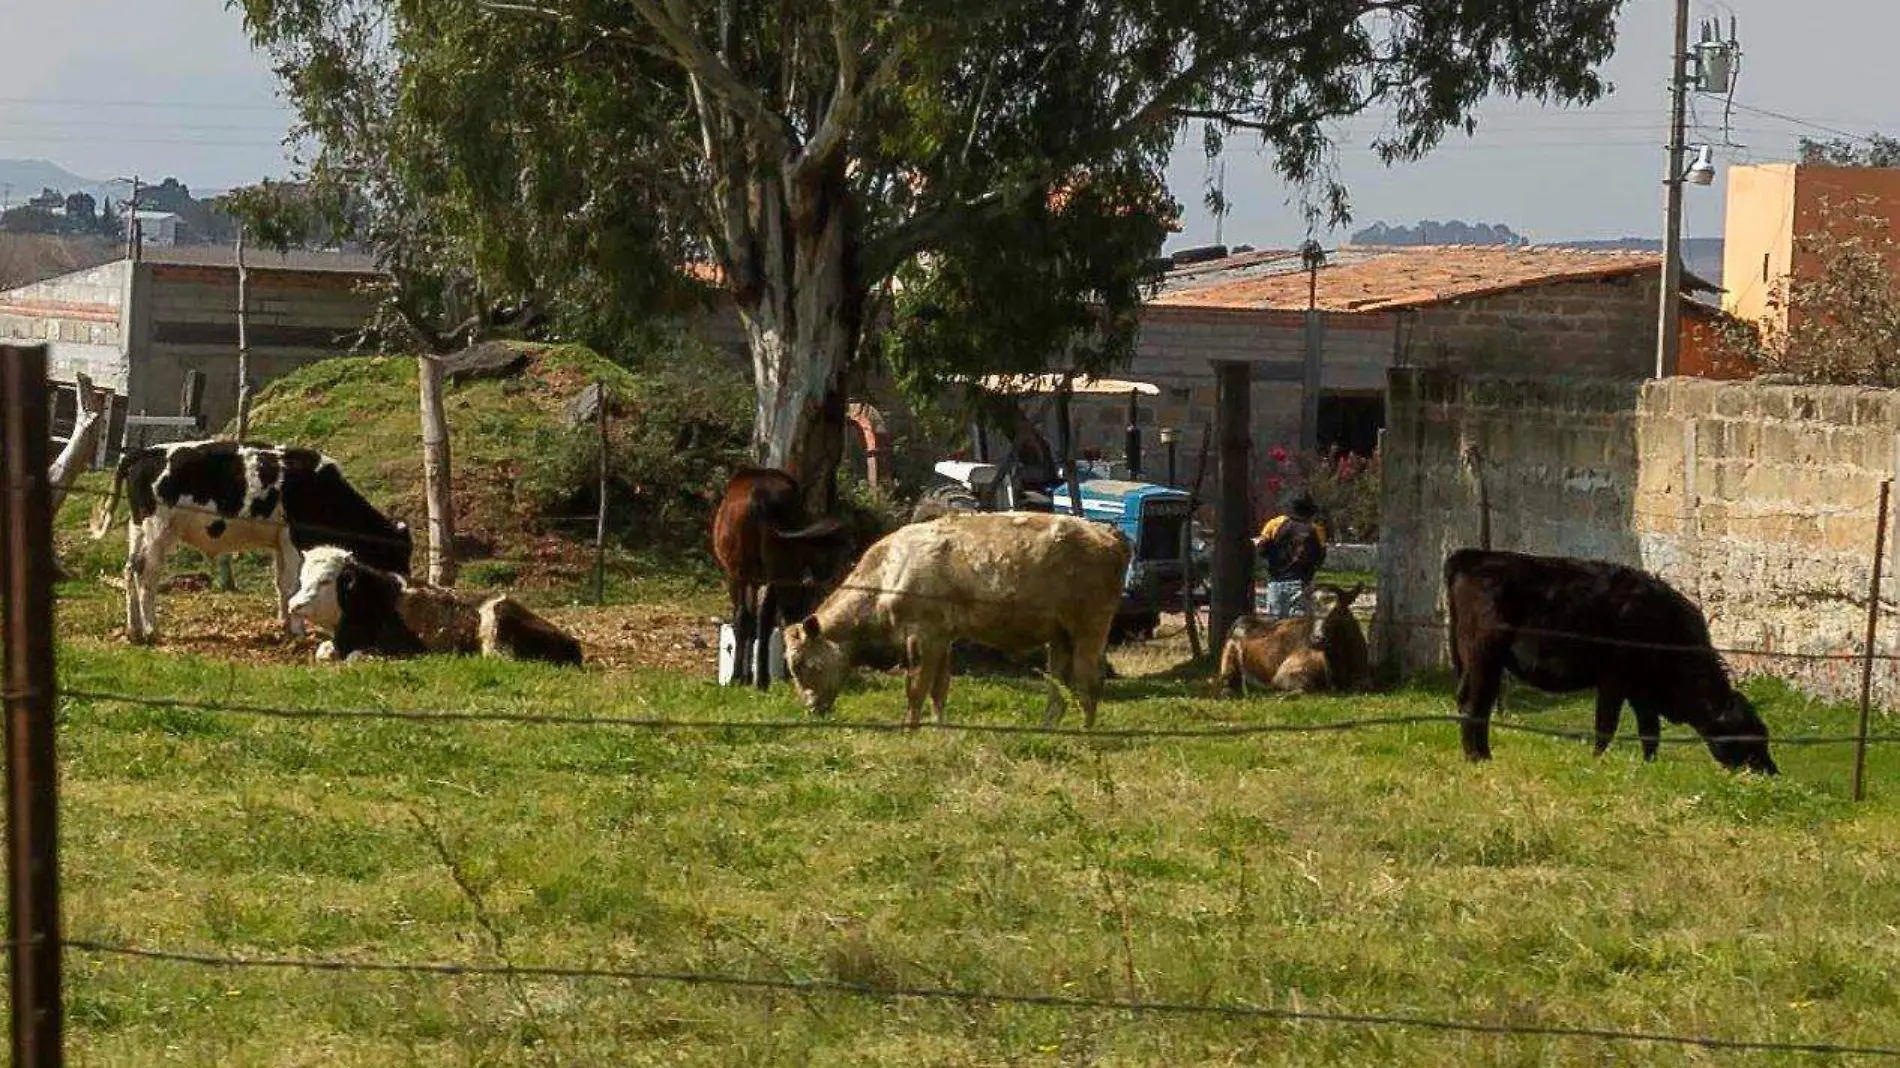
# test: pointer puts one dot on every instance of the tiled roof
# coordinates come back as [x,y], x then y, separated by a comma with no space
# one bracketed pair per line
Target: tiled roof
[1364,279]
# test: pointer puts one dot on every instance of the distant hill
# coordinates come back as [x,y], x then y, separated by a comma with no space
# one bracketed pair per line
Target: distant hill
[1432,232]
[1702,256]
[28,176]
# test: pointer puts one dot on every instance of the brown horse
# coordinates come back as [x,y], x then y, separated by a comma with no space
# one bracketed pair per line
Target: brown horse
[776,562]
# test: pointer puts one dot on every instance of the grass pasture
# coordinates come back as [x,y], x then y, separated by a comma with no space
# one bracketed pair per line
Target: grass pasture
[1365,871]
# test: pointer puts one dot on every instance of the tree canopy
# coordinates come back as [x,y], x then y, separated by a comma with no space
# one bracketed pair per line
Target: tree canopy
[985,172]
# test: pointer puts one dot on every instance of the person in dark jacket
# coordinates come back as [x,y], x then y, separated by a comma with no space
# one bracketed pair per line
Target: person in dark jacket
[1294,547]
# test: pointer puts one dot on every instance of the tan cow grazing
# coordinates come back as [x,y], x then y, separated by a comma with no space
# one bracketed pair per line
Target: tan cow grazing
[1303,655]
[1013,581]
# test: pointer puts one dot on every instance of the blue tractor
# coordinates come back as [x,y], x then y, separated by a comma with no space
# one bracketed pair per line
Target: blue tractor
[1157,520]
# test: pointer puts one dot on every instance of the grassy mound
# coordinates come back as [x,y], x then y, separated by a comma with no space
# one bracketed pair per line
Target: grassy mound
[525,481]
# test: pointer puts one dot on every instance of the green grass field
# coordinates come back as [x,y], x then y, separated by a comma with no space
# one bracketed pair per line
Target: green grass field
[1371,871]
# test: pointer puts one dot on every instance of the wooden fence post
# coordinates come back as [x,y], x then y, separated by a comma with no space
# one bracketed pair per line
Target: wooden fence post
[600,518]
[27,568]
[1233,542]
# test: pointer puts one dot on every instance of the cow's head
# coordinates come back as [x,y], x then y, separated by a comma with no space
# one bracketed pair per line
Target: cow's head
[1331,611]
[817,665]
[1738,739]
[319,598]
[392,552]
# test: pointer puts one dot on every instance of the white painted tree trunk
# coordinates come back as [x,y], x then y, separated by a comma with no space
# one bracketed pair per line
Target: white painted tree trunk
[435,471]
[88,424]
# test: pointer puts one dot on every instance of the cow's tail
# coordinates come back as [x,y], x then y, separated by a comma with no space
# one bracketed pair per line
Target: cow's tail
[102,513]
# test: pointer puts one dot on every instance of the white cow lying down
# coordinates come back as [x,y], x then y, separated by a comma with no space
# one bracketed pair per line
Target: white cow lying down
[1013,581]
[369,612]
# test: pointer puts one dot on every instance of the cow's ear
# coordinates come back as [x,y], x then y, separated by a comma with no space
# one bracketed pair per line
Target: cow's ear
[810,627]
[345,583]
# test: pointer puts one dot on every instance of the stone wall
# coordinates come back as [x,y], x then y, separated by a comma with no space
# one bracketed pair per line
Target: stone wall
[1756,501]
[1558,464]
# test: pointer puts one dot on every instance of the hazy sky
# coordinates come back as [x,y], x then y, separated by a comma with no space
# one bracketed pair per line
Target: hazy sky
[175,90]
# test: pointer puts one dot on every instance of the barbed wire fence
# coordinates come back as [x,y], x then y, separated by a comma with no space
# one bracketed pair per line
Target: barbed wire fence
[38,944]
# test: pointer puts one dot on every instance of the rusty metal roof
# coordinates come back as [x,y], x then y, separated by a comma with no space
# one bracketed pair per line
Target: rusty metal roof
[1380,278]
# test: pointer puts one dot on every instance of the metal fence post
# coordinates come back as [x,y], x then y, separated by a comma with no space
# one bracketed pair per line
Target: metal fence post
[26,567]
[1867,657]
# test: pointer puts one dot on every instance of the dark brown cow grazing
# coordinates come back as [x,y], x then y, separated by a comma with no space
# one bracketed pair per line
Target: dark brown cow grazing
[1636,639]
[775,561]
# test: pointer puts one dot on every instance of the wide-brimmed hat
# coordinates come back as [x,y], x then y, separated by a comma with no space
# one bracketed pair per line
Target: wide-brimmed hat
[1301,506]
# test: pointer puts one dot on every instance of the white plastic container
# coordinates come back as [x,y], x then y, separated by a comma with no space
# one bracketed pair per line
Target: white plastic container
[729,657]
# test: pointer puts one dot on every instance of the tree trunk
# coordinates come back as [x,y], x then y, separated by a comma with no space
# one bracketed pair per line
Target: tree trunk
[803,309]
[435,471]
[244,346]
[88,424]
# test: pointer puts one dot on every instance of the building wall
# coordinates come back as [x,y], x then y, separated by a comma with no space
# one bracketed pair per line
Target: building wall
[1771,207]
[1757,237]
[1594,328]
[1757,502]
[187,320]
[80,316]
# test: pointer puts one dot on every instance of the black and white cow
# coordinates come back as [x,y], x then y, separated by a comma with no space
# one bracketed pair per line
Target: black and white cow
[373,613]
[222,497]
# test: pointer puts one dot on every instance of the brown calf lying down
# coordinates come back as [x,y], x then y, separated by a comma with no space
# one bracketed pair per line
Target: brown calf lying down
[1300,655]
[1011,581]
[374,613]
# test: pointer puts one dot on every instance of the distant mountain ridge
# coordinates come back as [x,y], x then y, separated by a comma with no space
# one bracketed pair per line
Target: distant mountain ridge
[27,177]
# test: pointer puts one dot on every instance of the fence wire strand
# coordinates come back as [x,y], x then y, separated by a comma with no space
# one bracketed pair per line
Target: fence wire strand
[837,726]
[964,996]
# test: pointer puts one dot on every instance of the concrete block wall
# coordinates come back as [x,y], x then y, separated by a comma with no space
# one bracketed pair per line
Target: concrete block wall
[80,317]
[1761,503]
[1591,328]
[1756,501]
[1558,459]
[188,321]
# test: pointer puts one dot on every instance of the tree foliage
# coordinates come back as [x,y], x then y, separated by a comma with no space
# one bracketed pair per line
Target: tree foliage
[1837,320]
[838,159]
[1874,151]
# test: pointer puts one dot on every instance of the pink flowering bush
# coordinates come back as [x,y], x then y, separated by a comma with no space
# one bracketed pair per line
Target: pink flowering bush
[1343,484]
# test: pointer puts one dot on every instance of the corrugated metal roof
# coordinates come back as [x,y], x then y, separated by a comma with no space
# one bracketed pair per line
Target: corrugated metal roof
[262,259]
[1366,279]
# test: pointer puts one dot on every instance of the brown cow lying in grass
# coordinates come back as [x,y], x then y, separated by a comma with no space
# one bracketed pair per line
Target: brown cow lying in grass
[369,612]
[1300,655]
[1011,581]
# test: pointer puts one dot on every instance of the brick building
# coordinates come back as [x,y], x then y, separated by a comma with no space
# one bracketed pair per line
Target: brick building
[137,327]
[1525,310]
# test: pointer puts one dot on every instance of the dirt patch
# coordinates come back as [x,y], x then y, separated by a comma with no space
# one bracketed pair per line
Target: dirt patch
[243,628]
[644,636]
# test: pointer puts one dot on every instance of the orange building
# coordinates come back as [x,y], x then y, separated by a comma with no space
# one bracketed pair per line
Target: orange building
[1772,207]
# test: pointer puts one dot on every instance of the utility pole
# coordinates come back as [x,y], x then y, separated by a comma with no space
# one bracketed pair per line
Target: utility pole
[134,234]
[1669,329]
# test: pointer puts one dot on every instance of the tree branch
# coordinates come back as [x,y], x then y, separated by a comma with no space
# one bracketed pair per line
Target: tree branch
[714,76]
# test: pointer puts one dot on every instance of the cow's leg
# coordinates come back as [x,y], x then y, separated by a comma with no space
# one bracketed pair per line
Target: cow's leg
[1648,728]
[937,657]
[742,633]
[1062,656]
[1085,668]
[144,567]
[135,625]
[917,680]
[1609,714]
[762,640]
[289,568]
[1477,695]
